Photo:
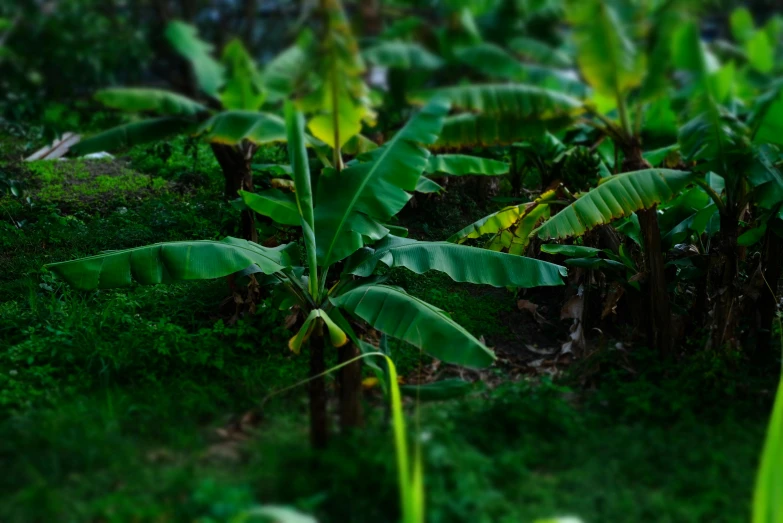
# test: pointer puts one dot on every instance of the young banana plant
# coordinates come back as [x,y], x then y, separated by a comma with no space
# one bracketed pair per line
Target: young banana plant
[229,119]
[343,216]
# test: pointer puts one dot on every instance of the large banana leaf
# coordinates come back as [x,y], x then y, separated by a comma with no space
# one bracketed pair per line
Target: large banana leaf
[166,262]
[401,55]
[463,263]
[208,71]
[137,99]
[231,127]
[279,206]
[520,100]
[244,89]
[300,172]
[375,189]
[476,130]
[462,164]
[617,196]
[606,54]
[131,134]
[393,312]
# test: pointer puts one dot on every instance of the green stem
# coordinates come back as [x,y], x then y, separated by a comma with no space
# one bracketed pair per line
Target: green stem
[623,112]
[410,481]
[712,194]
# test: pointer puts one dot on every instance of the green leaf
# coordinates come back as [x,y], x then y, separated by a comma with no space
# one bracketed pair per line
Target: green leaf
[769,127]
[540,52]
[402,55]
[244,89]
[475,130]
[606,53]
[304,193]
[761,54]
[427,186]
[461,164]
[742,25]
[131,134]
[507,113]
[496,63]
[439,390]
[769,479]
[579,251]
[285,72]
[208,71]
[392,311]
[493,61]
[231,127]
[374,189]
[463,264]
[657,156]
[166,262]
[519,100]
[752,236]
[279,206]
[138,99]
[616,197]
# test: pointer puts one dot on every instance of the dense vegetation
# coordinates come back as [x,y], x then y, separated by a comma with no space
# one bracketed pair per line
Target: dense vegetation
[474,261]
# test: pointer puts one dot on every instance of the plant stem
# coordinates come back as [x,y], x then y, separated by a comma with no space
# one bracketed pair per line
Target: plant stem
[712,194]
[319,422]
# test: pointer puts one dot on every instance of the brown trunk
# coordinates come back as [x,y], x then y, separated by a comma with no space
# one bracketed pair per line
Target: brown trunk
[725,288]
[319,422]
[517,172]
[659,328]
[768,305]
[235,165]
[350,388]
[656,299]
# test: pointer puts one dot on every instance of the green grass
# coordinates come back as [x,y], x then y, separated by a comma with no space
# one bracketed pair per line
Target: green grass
[110,401]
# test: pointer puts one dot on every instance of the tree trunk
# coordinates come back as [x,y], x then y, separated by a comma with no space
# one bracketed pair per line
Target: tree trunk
[235,164]
[725,288]
[517,171]
[319,422]
[767,305]
[350,388]
[656,298]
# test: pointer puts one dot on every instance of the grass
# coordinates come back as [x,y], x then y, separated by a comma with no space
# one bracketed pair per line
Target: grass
[131,404]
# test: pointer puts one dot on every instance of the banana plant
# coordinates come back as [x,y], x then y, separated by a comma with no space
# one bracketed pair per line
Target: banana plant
[343,216]
[740,147]
[625,65]
[228,118]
